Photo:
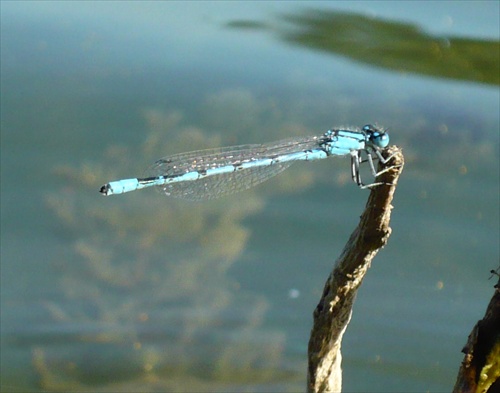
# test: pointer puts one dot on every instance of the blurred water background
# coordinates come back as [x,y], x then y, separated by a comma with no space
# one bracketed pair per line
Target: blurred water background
[141,292]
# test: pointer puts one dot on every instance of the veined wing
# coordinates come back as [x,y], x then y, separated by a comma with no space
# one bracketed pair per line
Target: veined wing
[215,186]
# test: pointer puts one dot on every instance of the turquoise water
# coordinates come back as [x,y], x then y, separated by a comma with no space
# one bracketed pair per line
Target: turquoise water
[141,292]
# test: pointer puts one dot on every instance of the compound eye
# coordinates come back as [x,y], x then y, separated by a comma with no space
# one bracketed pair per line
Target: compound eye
[380,139]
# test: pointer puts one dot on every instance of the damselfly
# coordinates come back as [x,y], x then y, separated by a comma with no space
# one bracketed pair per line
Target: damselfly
[209,174]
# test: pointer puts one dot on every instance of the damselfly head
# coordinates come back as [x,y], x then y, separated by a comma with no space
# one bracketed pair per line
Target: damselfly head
[379,138]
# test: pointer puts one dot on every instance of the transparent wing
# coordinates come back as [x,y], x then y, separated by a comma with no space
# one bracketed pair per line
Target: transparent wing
[211,187]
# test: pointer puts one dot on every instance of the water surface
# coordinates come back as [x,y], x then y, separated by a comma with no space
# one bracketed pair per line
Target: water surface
[141,292]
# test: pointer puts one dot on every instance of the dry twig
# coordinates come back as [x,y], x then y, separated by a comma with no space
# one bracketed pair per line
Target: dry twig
[333,312]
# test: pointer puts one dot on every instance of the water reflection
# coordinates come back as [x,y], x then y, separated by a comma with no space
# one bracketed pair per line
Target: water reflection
[392,45]
[148,277]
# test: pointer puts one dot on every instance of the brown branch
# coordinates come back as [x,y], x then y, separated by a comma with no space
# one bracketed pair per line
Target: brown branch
[480,370]
[333,312]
